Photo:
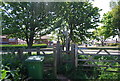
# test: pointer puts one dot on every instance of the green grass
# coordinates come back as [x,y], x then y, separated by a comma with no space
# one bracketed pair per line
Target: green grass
[10,47]
[21,45]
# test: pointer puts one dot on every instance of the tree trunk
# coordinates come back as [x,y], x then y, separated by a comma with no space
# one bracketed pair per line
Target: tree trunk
[29,47]
[70,36]
[29,41]
[102,42]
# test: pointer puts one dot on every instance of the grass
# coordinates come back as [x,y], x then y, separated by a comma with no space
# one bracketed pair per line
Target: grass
[21,45]
[11,47]
[104,74]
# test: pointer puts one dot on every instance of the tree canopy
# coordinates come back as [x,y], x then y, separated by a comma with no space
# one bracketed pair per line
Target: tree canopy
[111,21]
[26,20]
[77,18]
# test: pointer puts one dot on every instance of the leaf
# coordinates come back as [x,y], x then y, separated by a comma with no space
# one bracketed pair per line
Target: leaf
[4,74]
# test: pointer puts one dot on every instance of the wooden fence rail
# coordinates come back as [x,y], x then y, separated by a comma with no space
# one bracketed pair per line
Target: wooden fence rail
[79,55]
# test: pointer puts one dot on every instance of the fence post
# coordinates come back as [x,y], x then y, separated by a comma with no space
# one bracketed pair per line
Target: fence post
[55,61]
[58,49]
[76,56]
[20,53]
[38,50]
[74,51]
[13,50]
[67,45]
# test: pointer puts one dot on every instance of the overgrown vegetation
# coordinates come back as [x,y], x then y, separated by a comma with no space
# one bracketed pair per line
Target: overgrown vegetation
[85,73]
[14,69]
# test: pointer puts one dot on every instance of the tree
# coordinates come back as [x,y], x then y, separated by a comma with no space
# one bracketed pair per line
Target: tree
[101,34]
[111,21]
[26,20]
[78,18]
[116,20]
[114,3]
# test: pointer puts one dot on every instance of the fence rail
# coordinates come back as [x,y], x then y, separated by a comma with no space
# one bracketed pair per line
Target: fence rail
[80,56]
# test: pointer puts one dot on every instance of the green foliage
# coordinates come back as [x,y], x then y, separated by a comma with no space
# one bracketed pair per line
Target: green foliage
[76,18]
[78,73]
[111,21]
[26,20]
[10,74]
[101,33]
[99,72]
[13,68]
[4,74]
[105,75]
[109,29]
[21,45]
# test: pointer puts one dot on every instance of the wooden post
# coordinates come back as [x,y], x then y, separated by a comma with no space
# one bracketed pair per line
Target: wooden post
[73,53]
[13,51]
[20,53]
[38,50]
[58,53]
[74,50]
[29,52]
[76,57]
[55,62]
[67,45]
[57,57]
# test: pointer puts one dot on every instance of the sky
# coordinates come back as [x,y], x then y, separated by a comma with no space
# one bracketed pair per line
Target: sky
[105,6]
[102,4]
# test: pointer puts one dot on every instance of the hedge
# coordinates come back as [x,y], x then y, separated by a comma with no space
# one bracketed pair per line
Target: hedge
[5,47]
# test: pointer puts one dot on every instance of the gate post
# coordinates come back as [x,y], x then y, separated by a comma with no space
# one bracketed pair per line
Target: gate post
[57,57]
[58,50]
[74,51]
[76,56]
[20,53]
[55,61]
[38,50]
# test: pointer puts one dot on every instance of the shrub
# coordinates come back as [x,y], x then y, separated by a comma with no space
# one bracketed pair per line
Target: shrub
[13,69]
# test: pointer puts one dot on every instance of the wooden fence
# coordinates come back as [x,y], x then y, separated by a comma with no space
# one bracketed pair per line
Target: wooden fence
[87,57]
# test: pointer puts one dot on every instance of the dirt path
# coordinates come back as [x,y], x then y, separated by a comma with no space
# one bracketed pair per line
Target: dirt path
[62,78]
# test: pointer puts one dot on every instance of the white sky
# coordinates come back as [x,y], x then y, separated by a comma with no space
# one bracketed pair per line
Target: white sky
[102,4]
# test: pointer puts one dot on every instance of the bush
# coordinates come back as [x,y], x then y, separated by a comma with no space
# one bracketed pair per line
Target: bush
[16,47]
[13,69]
